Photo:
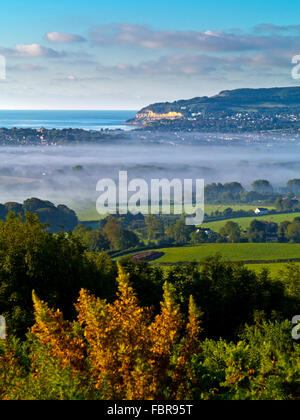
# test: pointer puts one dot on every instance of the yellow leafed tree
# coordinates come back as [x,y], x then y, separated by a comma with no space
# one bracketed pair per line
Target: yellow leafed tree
[60,337]
[116,335]
[127,355]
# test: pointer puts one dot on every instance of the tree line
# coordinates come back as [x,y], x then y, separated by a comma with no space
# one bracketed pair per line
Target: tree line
[261,190]
[58,219]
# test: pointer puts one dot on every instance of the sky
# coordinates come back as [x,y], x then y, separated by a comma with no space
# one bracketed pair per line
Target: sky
[125,55]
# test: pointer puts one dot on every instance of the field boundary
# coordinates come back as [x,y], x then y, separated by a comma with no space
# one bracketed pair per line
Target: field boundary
[270,213]
[281,261]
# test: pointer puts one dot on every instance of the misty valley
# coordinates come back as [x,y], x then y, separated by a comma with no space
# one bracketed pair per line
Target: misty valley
[69,174]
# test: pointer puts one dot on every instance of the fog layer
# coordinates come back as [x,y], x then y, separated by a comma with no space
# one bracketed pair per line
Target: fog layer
[69,174]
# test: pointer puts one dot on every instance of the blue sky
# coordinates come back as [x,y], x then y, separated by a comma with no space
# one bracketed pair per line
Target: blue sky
[124,55]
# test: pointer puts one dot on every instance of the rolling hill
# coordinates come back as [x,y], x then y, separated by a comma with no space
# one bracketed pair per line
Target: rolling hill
[234,108]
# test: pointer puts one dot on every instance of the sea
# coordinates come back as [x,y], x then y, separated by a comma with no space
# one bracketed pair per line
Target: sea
[87,120]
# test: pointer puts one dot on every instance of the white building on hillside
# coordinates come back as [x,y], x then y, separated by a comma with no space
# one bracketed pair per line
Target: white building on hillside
[260,211]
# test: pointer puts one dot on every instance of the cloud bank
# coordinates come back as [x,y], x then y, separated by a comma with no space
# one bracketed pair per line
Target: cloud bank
[63,38]
[143,36]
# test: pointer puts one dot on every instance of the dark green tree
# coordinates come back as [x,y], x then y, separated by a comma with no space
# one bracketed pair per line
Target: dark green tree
[231,231]
[257,231]
[155,227]
[293,185]
[262,186]
[179,232]
[118,237]
[293,231]
[54,265]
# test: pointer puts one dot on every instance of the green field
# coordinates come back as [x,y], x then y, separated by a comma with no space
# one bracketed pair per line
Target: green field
[231,252]
[85,211]
[244,222]
[274,269]
[88,212]
[209,208]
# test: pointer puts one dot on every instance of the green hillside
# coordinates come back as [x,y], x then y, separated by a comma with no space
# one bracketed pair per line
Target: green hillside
[244,100]
[231,252]
[244,222]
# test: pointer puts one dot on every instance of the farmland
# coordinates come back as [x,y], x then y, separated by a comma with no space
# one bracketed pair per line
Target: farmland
[209,208]
[244,222]
[88,212]
[231,252]
[273,268]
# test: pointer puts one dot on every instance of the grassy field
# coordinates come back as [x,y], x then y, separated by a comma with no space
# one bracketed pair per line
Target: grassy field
[88,212]
[244,222]
[274,269]
[209,208]
[231,252]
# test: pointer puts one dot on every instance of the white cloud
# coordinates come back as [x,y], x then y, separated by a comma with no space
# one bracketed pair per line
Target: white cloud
[24,67]
[62,38]
[131,35]
[199,64]
[36,50]
[269,27]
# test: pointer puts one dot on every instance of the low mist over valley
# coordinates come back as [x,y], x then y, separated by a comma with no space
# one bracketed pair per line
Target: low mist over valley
[69,174]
